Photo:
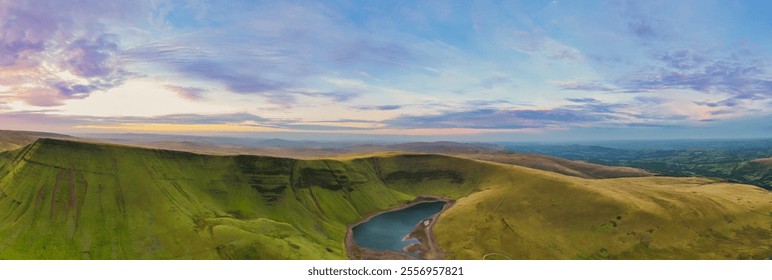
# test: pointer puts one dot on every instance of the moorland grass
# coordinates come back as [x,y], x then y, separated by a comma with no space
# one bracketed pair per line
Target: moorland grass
[70,200]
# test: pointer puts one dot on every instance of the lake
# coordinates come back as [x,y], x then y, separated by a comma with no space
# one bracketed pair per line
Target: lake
[385,231]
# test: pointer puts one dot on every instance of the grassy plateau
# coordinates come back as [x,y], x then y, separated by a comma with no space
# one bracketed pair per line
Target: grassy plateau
[63,199]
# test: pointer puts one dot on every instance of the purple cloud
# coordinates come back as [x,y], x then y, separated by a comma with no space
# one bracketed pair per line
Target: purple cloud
[40,40]
[18,120]
[643,29]
[650,100]
[499,119]
[50,117]
[190,93]
[534,43]
[683,59]
[581,86]
[586,100]
[495,80]
[720,76]
[92,58]
[372,53]
[378,108]
[337,96]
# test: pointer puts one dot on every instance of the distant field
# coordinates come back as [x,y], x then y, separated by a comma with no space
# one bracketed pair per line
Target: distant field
[738,161]
[73,200]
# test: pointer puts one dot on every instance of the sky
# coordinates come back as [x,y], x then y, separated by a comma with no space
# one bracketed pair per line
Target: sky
[429,70]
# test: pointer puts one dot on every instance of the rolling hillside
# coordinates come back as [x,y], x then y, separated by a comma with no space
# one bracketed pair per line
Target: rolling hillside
[10,140]
[559,165]
[291,149]
[72,200]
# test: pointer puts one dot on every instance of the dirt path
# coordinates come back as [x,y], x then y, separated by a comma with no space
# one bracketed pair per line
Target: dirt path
[426,247]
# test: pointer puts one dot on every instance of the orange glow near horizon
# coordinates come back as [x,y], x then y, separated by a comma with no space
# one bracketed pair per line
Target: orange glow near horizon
[161,127]
[225,128]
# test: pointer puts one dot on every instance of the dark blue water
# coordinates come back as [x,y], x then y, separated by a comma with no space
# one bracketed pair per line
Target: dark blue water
[385,231]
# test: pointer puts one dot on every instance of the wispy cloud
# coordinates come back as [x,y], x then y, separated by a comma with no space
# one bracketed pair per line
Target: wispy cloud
[584,86]
[499,119]
[737,75]
[189,93]
[53,51]
[378,108]
[378,66]
[372,53]
[534,43]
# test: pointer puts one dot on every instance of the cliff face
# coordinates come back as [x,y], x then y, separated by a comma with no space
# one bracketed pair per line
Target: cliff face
[71,200]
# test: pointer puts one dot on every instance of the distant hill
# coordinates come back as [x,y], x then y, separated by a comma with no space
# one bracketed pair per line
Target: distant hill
[739,161]
[74,200]
[10,140]
[559,165]
[314,150]
[445,147]
[764,161]
[582,161]
[496,153]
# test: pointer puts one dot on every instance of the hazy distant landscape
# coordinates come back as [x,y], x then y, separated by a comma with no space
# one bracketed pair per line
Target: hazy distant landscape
[741,161]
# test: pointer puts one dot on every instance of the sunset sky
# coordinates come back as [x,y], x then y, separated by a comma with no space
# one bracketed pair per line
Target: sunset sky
[434,70]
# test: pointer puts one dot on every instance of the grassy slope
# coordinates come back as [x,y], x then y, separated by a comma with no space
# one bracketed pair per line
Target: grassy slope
[542,216]
[559,165]
[70,200]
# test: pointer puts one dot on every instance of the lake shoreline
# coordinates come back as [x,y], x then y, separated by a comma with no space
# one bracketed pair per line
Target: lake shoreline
[425,235]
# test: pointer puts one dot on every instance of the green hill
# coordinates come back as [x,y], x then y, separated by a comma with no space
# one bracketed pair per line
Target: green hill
[70,200]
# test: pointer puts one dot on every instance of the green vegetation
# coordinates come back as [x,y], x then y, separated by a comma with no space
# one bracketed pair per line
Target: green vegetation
[739,161]
[528,215]
[69,200]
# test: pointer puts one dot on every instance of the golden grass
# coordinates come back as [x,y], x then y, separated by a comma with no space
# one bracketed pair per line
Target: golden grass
[529,214]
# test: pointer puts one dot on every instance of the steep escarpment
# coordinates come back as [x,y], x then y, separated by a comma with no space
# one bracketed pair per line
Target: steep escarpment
[64,199]
[70,200]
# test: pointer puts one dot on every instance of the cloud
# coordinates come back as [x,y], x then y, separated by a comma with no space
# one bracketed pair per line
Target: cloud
[594,106]
[723,103]
[372,53]
[337,96]
[650,100]
[18,120]
[585,100]
[499,119]
[189,93]
[683,59]
[235,118]
[534,43]
[280,55]
[378,108]
[643,29]
[646,21]
[495,80]
[92,58]
[52,51]
[242,71]
[584,86]
[745,79]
